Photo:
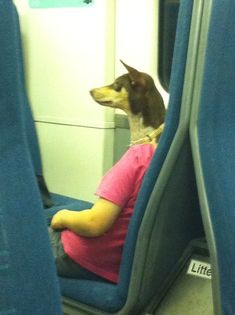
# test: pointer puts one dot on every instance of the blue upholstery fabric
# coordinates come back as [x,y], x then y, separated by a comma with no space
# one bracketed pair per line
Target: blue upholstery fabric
[27,114]
[63,202]
[216,130]
[111,297]
[27,272]
[167,28]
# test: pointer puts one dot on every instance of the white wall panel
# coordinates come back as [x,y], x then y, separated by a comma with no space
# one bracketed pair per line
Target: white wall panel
[68,51]
[73,158]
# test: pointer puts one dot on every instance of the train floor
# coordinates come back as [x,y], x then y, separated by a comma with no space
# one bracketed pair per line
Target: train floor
[191,294]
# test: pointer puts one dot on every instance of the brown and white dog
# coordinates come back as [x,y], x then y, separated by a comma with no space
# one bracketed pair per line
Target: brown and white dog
[136,94]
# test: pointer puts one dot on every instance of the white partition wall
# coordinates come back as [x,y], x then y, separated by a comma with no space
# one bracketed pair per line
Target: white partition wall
[67,52]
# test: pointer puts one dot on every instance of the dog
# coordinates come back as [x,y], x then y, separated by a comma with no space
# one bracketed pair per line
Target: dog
[136,94]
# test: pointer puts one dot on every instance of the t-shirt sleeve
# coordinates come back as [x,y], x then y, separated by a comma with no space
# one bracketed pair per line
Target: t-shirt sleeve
[118,183]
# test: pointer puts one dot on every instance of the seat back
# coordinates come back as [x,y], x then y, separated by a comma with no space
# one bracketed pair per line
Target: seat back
[213,138]
[27,271]
[29,125]
[171,126]
[172,218]
[137,281]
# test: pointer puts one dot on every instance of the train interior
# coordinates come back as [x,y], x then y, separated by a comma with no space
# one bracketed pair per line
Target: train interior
[56,144]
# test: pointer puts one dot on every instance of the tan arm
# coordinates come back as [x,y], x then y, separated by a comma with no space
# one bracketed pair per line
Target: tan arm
[91,222]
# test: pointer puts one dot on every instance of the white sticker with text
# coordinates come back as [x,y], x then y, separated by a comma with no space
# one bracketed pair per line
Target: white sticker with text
[199,269]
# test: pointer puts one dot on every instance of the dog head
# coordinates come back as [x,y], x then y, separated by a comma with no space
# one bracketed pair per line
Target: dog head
[136,94]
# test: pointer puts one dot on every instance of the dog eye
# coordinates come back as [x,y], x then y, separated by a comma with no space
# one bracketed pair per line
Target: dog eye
[117,87]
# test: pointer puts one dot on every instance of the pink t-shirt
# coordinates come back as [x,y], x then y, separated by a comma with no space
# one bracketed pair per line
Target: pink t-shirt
[102,255]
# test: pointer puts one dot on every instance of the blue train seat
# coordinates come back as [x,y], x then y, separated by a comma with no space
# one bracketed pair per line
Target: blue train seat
[166,216]
[29,284]
[213,139]
[57,201]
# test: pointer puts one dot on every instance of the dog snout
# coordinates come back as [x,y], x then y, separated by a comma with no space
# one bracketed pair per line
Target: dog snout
[92,92]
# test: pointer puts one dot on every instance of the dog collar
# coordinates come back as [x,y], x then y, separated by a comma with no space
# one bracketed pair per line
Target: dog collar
[149,137]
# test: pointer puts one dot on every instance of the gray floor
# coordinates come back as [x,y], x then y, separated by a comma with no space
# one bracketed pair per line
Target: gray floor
[190,295]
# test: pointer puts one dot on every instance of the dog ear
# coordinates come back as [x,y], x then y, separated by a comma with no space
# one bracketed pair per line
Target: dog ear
[137,79]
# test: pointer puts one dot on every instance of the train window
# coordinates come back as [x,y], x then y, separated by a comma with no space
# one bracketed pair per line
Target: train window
[167,28]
